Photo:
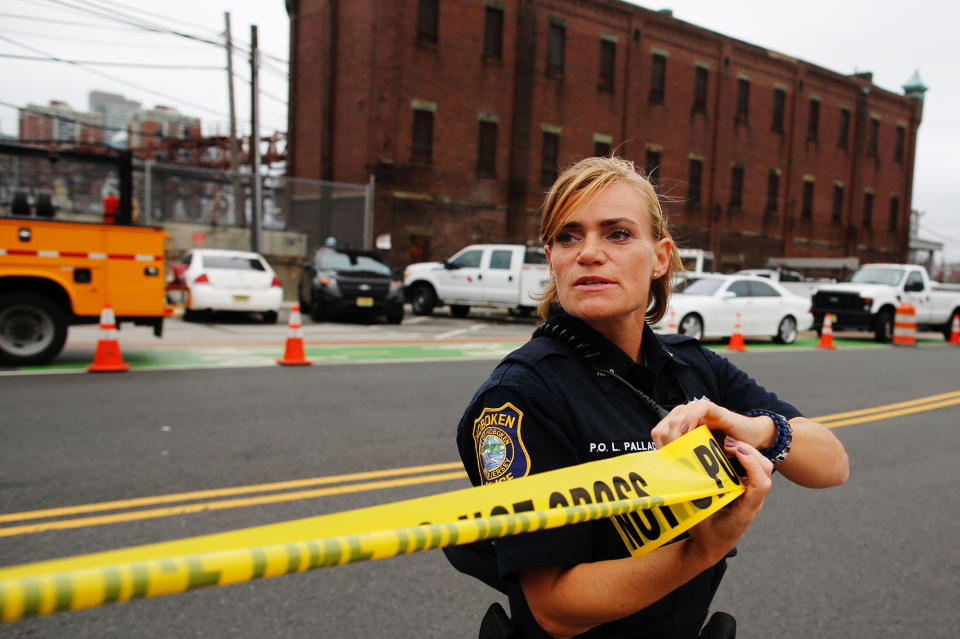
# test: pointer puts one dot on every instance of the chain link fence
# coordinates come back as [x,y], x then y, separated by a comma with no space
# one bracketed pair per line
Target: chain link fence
[197,206]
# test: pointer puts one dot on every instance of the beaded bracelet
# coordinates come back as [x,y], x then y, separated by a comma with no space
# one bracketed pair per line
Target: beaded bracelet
[781,447]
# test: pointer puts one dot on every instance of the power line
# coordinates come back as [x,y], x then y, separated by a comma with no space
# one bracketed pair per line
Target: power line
[111,43]
[115,78]
[117,16]
[135,65]
[133,20]
[125,6]
[939,234]
[72,23]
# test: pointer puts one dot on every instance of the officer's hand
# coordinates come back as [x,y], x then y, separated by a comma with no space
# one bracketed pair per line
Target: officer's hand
[759,432]
[718,534]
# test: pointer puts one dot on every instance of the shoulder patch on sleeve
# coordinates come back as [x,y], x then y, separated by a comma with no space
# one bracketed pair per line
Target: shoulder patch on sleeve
[501,454]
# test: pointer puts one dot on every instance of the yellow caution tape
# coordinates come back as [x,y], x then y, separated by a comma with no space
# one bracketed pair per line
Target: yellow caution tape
[651,496]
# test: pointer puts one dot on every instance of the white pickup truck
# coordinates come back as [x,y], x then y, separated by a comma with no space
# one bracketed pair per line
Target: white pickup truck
[869,300]
[495,275]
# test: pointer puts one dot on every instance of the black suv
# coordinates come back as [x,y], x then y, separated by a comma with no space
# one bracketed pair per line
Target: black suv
[350,281]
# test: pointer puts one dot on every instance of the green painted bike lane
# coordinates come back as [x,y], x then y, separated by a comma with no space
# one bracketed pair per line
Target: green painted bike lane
[331,354]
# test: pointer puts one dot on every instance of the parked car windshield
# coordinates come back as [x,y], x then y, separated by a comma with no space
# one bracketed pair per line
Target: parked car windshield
[887,276]
[234,262]
[330,260]
[703,286]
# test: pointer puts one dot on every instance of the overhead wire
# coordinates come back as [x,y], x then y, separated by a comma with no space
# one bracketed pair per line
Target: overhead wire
[135,65]
[72,23]
[113,78]
[139,45]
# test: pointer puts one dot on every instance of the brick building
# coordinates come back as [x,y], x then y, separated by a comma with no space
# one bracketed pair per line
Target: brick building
[150,130]
[463,110]
[59,124]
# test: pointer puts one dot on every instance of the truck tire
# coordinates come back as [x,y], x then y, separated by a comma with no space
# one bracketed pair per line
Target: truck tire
[948,327]
[423,299]
[883,329]
[459,310]
[33,329]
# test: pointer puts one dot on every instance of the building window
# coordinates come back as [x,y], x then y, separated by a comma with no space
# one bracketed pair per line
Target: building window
[894,220]
[700,89]
[837,203]
[427,21]
[658,78]
[602,148]
[736,188]
[555,44]
[813,121]
[422,136]
[779,106]
[493,34]
[608,57]
[872,140]
[806,210]
[743,99]
[844,136]
[694,182]
[898,145]
[651,166]
[549,154]
[867,209]
[487,149]
[773,190]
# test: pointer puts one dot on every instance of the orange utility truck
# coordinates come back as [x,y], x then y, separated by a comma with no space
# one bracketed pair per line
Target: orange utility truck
[54,273]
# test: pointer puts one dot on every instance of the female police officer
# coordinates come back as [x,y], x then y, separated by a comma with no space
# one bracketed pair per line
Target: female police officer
[588,386]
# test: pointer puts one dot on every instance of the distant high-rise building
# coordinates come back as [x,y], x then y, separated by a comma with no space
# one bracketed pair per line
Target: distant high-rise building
[116,110]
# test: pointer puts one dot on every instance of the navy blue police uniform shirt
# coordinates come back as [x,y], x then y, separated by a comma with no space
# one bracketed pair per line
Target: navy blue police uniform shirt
[552,404]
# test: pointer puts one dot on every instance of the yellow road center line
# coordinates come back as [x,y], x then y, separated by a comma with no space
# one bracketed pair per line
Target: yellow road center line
[894,413]
[224,492]
[224,505]
[880,409]
[835,420]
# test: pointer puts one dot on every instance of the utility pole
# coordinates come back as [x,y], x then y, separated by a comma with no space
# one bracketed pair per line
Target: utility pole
[234,150]
[257,209]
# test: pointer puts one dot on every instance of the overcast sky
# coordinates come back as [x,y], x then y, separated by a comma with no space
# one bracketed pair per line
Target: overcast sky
[891,39]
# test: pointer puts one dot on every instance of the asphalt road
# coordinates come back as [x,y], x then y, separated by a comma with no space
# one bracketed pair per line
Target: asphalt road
[874,558]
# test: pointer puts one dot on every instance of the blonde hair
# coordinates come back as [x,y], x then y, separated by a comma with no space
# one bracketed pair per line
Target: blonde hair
[585,180]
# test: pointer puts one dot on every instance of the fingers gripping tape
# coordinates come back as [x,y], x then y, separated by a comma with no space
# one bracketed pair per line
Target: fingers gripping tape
[651,496]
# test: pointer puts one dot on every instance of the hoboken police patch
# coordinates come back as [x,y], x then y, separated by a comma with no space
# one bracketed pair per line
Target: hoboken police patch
[500,451]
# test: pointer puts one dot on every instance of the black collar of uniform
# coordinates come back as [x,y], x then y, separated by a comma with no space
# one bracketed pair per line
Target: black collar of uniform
[599,351]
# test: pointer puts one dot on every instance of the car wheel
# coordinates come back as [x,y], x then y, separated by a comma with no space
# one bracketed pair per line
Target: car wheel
[32,329]
[395,315]
[787,331]
[269,317]
[423,300]
[459,310]
[883,331]
[692,326]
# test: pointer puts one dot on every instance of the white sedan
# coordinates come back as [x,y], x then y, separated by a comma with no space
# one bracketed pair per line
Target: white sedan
[223,280]
[708,307]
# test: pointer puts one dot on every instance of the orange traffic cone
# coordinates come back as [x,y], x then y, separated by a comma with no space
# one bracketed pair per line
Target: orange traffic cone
[826,333]
[736,340]
[905,325]
[672,323]
[107,357]
[293,354]
[955,330]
